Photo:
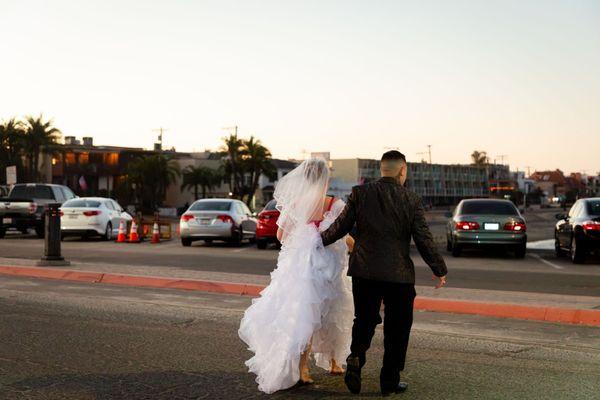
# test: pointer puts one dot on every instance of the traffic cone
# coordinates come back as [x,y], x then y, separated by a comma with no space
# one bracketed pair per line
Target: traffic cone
[122,236]
[155,234]
[133,233]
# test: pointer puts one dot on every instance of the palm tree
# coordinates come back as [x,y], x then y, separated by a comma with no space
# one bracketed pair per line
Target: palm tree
[256,161]
[150,177]
[479,158]
[39,137]
[204,177]
[232,148]
[11,145]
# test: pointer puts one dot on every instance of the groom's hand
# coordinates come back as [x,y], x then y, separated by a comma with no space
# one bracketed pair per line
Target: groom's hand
[441,279]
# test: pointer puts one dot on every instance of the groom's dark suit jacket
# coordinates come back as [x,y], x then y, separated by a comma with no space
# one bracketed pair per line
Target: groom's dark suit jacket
[385,216]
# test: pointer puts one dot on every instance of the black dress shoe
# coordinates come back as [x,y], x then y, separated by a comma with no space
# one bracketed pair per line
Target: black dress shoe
[352,377]
[401,388]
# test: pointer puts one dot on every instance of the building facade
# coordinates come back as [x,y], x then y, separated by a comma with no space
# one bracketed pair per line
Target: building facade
[437,184]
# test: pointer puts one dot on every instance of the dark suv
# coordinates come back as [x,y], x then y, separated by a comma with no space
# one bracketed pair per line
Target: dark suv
[26,204]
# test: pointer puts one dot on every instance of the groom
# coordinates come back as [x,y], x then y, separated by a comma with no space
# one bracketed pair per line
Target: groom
[385,216]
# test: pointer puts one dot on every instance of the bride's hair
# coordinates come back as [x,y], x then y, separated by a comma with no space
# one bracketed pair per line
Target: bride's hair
[315,168]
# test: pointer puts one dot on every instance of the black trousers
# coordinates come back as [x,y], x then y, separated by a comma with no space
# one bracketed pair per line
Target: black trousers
[398,299]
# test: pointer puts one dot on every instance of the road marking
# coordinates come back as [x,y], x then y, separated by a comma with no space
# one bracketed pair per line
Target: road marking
[239,250]
[546,261]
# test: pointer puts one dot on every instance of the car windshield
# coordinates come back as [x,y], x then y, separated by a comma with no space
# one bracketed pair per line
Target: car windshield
[488,207]
[81,203]
[593,207]
[271,206]
[32,192]
[211,206]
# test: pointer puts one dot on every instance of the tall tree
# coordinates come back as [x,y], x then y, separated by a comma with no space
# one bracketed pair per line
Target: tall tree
[39,137]
[256,161]
[201,177]
[233,148]
[479,158]
[150,177]
[11,146]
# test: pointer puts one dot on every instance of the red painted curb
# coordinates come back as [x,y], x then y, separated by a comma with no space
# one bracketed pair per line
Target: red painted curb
[503,310]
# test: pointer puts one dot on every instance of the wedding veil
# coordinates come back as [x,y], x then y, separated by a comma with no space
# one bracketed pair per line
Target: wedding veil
[300,194]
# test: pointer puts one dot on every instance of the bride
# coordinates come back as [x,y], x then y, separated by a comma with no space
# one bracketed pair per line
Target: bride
[307,308]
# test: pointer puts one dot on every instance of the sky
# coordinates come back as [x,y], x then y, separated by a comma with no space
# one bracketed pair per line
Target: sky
[519,79]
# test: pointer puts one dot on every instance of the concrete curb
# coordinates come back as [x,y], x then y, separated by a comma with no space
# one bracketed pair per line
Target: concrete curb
[503,310]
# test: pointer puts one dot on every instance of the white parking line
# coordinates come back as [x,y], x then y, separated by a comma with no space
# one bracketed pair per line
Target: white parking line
[546,261]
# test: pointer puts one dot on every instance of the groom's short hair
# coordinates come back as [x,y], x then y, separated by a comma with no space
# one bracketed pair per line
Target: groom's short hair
[393,155]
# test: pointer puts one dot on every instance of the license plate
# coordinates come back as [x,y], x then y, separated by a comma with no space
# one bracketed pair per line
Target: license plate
[205,222]
[491,227]
[72,216]
[7,221]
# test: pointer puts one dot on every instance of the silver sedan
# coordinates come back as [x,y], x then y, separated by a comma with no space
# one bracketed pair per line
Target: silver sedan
[217,219]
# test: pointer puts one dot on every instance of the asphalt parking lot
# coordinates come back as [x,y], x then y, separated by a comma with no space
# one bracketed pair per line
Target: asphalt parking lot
[539,272]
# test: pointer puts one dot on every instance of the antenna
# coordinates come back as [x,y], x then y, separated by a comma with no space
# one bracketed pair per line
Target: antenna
[160,131]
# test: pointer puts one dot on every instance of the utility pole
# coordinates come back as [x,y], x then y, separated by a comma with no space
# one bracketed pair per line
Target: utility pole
[160,131]
[502,157]
[429,150]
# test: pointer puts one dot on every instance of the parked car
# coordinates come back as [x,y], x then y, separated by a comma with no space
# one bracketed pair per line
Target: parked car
[578,232]
[25,206]
[229,220]
[92,216]
[266,230]
[486,222]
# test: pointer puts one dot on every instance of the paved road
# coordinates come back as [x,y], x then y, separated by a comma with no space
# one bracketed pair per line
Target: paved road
[476,270]
[74,341]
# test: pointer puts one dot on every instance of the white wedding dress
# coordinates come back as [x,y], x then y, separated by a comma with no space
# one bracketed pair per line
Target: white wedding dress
[309,297]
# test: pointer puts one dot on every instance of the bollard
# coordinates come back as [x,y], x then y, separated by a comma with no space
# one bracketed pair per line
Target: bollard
[52,239]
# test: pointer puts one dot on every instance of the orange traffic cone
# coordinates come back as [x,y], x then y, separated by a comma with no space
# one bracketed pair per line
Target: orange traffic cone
[133,233]
[122,236]
[155,234]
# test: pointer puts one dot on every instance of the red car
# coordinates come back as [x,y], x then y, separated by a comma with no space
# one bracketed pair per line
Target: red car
[266,229]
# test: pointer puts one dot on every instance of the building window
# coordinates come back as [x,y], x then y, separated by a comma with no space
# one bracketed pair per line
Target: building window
[70,158]
[84,158]
[111,158]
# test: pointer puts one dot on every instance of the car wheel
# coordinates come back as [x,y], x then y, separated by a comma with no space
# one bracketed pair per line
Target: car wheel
[456,250]
[237,238]
[40,232]
[186,242]
[261,244]
[521,250]
[577,251]
[108,233]
[557,249]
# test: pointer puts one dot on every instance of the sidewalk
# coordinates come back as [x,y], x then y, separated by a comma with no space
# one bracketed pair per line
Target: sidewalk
[508,304]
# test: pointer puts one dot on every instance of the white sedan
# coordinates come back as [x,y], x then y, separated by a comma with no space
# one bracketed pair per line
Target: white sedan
[92,216]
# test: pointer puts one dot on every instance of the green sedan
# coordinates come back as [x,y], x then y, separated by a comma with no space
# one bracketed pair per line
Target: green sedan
[486,222]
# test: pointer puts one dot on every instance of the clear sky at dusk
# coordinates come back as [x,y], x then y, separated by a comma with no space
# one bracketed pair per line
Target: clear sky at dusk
[520,78]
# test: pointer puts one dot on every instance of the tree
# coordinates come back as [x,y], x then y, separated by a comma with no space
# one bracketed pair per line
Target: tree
[256,161]
[232,149]
[479,158]
[11,146]
[150,177]
[39,137]
[204,177]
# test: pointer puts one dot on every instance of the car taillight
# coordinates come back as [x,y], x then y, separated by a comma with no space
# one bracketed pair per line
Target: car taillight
[61,213]
[186,217]
[32,208]
[515,227]
[91,213]
[467,226]
[591,226]
[225,218]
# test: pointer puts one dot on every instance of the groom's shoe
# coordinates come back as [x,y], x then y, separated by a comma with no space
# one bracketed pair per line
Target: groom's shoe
[401,388]
[352,378]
